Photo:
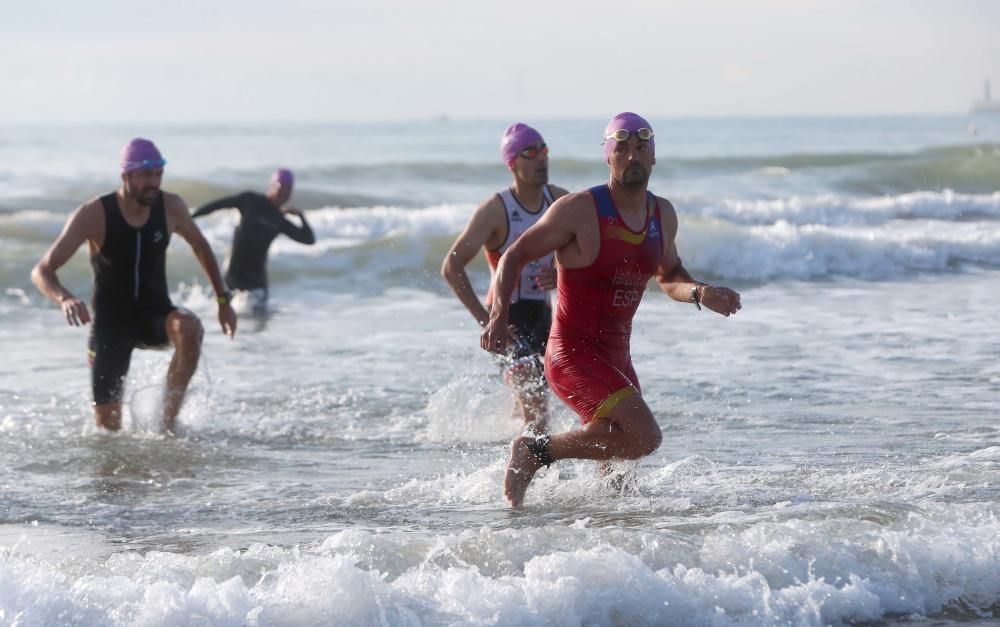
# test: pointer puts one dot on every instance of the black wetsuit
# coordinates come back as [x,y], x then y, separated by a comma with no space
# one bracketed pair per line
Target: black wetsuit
[260,222]
[131,301]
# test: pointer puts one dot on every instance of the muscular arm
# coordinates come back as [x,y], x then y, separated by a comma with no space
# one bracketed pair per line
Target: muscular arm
[485,227]
[86,223]
[222,203]
[671,276]
[183,224]
[546,276]
[674,279]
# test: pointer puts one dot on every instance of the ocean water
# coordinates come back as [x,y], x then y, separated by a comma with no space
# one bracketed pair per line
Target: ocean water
[831,454]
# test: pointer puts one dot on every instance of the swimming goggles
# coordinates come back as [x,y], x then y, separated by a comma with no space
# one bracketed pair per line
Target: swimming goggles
[622,135]
[145,164]
[533,151]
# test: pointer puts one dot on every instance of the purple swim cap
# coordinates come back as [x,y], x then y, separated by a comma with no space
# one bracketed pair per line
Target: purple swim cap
[283,177]
[141,154]
[628,121]
[516,138]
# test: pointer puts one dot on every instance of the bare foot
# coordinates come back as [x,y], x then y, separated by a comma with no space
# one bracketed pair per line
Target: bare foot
[111,424]
[520,469]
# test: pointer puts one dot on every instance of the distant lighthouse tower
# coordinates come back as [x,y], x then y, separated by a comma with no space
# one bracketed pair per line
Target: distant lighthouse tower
[987,104]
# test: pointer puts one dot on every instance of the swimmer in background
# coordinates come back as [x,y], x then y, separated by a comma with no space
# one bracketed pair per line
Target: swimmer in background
[262,219]
[494,227]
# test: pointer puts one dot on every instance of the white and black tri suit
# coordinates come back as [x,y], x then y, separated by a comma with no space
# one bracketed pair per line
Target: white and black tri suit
[530,310]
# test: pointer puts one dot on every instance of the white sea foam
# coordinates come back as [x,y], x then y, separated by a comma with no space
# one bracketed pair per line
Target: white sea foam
[796,238]
[835,209]
[826,571]
[805,240]
[786,250]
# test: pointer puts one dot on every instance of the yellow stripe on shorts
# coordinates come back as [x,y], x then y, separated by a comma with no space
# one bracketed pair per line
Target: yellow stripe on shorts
[612,401]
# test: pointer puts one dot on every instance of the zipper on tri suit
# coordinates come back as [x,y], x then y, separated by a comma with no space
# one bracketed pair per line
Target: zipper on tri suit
[138,255]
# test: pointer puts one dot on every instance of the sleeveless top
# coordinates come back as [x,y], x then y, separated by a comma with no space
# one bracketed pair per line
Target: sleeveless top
[519,220]
[130,268]
[597,303]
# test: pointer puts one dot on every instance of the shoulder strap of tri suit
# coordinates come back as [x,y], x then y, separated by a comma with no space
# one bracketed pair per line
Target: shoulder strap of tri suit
[506,198]
[548,194]
[110,202]
[602,198]
[158,211]
[113,218]
[655,220]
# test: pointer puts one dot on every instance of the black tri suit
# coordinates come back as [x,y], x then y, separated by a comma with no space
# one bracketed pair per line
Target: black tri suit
[131,301]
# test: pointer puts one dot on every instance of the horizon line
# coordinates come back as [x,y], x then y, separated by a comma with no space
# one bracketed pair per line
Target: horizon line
[446,117]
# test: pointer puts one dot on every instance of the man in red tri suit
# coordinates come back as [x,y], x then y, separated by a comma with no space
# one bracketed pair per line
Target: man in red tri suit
[608,242]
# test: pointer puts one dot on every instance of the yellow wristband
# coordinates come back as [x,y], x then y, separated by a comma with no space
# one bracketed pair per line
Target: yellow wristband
[224,299]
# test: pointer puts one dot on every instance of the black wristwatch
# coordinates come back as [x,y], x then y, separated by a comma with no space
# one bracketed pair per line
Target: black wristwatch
[694,295]
[225,298]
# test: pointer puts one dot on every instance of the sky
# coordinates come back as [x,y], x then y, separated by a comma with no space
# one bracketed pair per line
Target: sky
[328,60]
